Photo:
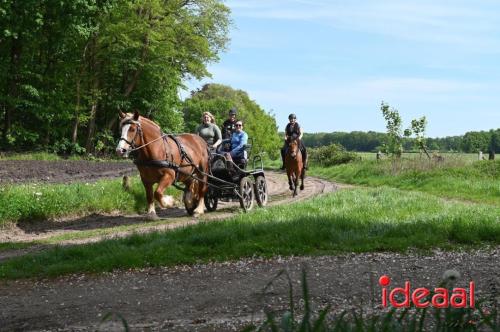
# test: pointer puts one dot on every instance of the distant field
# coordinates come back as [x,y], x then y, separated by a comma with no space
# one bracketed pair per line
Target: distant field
[456,177]
[407,155]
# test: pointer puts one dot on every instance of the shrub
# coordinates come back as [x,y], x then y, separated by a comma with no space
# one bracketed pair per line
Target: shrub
[330,155]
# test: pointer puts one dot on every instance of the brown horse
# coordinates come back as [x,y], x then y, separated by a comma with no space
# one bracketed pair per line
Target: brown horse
[294,166]
[165,159]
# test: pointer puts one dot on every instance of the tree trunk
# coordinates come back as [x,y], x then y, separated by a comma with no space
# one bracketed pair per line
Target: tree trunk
[12,85]
[91,130]
[74,133]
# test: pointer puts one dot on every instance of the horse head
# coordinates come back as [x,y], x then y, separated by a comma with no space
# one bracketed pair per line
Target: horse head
[131,133]
[293,147]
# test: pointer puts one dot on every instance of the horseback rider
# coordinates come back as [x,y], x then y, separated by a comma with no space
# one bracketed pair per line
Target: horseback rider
[293,130]
[229,126]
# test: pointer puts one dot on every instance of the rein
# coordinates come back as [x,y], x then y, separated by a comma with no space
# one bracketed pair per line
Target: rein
[139,130]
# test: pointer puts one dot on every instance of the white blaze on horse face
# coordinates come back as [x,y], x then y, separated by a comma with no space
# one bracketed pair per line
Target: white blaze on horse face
[123,145]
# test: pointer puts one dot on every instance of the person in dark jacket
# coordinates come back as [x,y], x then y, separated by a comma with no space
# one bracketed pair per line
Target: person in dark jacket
[293,130]
[229,126]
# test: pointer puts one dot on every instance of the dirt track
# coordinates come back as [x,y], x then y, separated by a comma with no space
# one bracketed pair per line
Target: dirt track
[218,296]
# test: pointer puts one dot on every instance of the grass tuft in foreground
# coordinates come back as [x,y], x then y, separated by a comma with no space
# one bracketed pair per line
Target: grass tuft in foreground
[360,220]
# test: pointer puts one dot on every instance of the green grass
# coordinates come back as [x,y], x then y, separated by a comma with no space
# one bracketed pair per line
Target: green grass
[358,220]
[31,202]
[476,181]
[31,156]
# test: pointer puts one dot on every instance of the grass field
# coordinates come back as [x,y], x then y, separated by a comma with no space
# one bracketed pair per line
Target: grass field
[472,181]
[409,207]
[31,202]
[353,220]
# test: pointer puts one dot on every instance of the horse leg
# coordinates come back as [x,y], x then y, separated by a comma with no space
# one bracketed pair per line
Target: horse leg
[165,201]
[191,199]
[295,183]
[202,189]
[302,176]
[290,183]
[150,199]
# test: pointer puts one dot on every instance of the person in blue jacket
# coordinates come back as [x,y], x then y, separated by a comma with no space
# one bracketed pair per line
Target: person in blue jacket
[238,141]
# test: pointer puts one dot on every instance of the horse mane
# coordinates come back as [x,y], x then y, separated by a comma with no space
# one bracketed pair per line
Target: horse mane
[142,119]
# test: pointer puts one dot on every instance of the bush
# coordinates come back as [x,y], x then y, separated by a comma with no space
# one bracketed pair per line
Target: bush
[330,155]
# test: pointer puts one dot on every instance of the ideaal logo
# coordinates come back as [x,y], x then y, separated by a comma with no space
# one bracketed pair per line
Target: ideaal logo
[423,297]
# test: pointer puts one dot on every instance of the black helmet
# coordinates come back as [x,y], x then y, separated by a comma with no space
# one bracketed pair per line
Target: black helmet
[232,111]
[292,116]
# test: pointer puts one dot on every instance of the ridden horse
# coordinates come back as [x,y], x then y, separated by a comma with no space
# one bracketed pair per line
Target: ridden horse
[165,159]
[294,166]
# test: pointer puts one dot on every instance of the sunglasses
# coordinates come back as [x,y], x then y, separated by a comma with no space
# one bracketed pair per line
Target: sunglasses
[239,125]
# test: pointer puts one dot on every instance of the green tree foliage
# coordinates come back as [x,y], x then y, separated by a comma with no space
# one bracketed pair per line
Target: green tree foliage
[393,144]
[68,66]
[475,141]
[219,99]
[495,141]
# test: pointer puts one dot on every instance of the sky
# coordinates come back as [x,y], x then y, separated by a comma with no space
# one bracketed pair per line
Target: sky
[333,62]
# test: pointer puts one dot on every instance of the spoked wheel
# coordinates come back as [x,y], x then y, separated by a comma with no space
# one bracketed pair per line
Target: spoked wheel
[246,192]
[260,188]
[211,200]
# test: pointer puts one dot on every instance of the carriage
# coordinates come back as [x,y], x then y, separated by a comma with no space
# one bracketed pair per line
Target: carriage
[235,179]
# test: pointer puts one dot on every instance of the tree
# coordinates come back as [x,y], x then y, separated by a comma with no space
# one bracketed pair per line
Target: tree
[418,129]
[219,99]
[69,65]
[475,141]
[393,144]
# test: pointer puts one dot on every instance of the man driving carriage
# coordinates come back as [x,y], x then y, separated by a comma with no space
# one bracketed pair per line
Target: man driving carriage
[229,126]
[293,131]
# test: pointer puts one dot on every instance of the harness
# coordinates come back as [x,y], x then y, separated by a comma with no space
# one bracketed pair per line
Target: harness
[170,163]
[160,163]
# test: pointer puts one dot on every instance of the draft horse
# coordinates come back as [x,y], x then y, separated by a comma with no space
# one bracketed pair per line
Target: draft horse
[166,160]
[294,165]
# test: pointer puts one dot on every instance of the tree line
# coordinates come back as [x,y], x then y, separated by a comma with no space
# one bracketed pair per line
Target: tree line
[470,142]
[68,66]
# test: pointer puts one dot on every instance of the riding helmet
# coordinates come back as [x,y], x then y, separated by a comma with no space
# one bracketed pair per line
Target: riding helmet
[292,116]
[232,111]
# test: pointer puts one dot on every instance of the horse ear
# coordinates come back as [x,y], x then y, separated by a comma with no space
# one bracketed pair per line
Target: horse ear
[121,114]
[136,115]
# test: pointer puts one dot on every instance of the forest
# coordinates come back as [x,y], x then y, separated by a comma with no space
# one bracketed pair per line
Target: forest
[68,66]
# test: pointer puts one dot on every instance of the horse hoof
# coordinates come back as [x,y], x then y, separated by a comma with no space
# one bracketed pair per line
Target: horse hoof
[196,215]
[152,216]
[302,187]
[291,188]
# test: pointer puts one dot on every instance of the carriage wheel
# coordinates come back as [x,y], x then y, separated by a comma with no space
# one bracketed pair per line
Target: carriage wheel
[260,189]
[246,192]
[211,200]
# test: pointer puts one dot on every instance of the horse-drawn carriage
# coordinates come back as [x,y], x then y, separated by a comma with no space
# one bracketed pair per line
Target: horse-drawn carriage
[172,159]
[231,179]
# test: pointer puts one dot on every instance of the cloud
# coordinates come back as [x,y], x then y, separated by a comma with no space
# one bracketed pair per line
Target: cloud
[461,23]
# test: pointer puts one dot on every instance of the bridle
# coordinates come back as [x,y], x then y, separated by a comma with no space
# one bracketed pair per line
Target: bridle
[132,146]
